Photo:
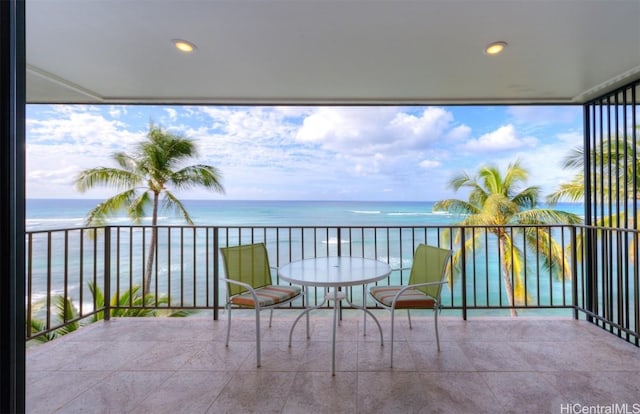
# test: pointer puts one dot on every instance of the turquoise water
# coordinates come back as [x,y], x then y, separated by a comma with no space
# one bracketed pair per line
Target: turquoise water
[61,213]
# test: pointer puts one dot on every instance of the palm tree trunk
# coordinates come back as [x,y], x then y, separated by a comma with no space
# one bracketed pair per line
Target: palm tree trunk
[505,275]
[152,246]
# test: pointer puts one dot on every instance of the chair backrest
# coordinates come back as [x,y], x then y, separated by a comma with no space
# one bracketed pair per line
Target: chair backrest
[429,265]
[249,264]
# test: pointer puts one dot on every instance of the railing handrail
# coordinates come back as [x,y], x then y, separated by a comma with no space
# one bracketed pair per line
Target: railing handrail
[107,261]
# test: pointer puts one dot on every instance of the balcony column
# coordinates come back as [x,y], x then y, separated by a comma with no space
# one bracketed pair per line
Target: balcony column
[12,184]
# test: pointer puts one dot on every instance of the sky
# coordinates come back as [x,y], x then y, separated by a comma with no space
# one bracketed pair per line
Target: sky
[375,153]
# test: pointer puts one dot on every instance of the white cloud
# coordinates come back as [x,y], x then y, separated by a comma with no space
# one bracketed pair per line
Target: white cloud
[172,113]
[369,130]
[117,111]
[574,138]
[294,152]
[81,126]
[428,164]
[459,133]
[502,139]
[382,142]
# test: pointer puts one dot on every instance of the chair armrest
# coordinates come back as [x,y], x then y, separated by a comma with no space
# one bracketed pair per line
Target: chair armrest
[235,282]
[401,291]
[442,282]
[244,285]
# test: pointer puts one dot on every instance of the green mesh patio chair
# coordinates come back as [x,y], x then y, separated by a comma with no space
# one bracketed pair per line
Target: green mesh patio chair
[428,274]
[249,285]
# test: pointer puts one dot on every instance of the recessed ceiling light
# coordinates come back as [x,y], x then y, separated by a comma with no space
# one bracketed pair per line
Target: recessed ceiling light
[495,48]
[184,45]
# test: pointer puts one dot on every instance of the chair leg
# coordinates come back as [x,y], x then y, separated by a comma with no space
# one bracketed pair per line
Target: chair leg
[435,310]
[258,336]
[305,303]
[228,324]
[270,316]
[364,300]
[409,316]
[392,326]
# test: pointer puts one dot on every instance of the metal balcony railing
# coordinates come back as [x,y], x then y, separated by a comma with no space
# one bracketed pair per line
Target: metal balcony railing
[598,279]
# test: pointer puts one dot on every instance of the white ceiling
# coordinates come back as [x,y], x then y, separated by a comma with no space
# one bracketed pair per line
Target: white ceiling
[329,51]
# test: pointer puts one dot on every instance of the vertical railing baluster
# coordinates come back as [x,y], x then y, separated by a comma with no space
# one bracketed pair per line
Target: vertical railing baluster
[118,230]
[574,273]
[81,272]
[107,273]
[66,276]
[49,276]
[29,273]
[194,242]
[463,273]
[216,275]
[169,264]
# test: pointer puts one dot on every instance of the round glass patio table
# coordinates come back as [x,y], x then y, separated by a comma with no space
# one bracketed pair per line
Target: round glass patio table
[335,272]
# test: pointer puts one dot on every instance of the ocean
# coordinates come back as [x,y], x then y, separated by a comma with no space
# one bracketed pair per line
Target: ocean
[45,214]
[56,214]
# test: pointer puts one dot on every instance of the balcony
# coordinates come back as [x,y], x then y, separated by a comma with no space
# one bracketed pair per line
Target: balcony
[486,365]
[575,339]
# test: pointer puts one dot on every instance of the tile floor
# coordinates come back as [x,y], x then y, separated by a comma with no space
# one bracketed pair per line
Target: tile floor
[181,365]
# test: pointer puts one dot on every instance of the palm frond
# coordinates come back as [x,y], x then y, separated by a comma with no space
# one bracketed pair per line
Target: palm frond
[110,177]
[491,179]
[137,207]
[546,216]
[66,311]
[514,175]
[37,326]
[554,257]
[198,175]
[119,202]
[455,206]
[98,300]
[460,181]
[527,198]
[170,202]
[575,159]
[471,244]
[127,162]
[572,191]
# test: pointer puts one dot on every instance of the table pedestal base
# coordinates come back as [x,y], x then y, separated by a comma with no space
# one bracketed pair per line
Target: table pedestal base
[337,296]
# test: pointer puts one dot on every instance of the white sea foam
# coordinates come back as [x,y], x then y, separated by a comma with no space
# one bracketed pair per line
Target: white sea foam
[366,211]
[334,240]
[408,214]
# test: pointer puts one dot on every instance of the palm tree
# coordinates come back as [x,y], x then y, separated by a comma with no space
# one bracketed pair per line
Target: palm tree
[622,154]
[620,181]
[132,303]
[143,177]
[496,201]
[65,311]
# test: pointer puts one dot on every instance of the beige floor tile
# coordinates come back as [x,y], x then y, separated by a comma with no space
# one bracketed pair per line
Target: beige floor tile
[488,365]
[215,356]
[450,357]
[524,392]
[260,391]
[459,392]
[49,392]
[391,392]
[185,392]
[120,392]
[494,356]
[320,392]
